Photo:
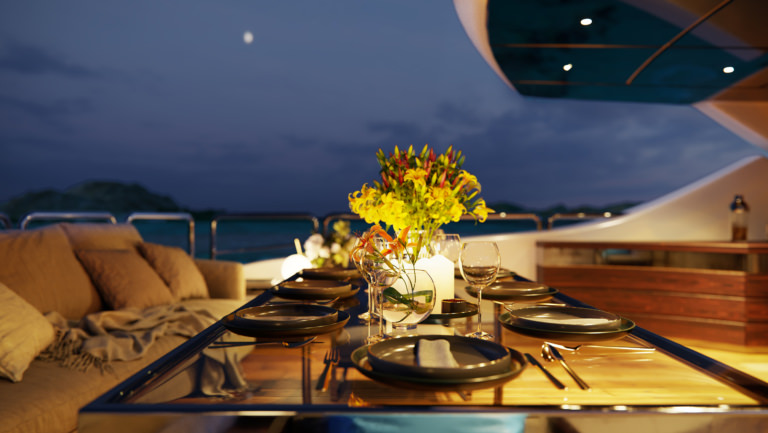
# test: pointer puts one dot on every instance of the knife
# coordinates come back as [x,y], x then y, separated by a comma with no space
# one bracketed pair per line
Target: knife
[559,357]
[546,372]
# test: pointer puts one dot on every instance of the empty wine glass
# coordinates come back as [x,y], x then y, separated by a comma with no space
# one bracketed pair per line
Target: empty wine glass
[447,245]
[380,274]
[356,257]
[479,264]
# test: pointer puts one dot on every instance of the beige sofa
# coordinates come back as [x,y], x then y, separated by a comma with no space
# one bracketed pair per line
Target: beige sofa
[79,270]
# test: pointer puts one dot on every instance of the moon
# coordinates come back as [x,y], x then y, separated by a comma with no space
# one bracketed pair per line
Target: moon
[247,37]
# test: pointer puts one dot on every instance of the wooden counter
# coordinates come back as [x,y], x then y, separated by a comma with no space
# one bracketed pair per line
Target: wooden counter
[711,292]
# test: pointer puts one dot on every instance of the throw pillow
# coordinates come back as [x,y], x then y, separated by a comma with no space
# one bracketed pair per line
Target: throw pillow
[102,236]
[124,279]
[177,269]
[24,333]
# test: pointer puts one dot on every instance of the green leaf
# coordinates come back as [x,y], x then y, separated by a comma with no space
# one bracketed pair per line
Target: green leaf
[391,294]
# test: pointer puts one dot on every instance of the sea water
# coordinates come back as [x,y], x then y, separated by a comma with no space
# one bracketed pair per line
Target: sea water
[246,240]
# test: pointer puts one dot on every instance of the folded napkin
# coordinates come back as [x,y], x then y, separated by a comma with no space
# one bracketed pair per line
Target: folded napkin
[435,353]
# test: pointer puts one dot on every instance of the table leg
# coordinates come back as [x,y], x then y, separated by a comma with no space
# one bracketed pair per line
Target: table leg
[306,374]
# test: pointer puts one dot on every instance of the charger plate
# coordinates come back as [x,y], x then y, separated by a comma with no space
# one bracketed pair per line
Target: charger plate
[476,358]
[622,328]
[515,291]
[243,327]
[360,359]
[305,289]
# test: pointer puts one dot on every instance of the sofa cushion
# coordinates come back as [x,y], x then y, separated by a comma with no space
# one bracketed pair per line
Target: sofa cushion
[177,269]
[101,236]
[24,333]
[124,278]
[50,396]
[40,266]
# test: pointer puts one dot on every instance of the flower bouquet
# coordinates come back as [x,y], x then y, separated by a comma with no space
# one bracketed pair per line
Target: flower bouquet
[416,195]
[332,251]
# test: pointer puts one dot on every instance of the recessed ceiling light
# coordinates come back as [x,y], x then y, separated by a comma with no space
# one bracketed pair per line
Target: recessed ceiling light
[586,21]
[567,67]
[728,69]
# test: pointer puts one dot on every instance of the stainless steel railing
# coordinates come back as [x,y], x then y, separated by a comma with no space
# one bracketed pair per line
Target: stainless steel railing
[500,216]
[66,216]
[579,216]
[5,221]
[168,216]
[216,250]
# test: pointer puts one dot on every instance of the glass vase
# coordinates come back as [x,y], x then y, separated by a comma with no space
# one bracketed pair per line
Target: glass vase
[409,300]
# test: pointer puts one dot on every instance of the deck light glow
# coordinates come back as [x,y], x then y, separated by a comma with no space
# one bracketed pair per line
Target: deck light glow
[586,21]
[728,69]
[247,37]
[567,67]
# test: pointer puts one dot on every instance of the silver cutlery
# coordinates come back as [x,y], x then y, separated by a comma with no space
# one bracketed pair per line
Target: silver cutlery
[288,344]
[546,372]
[331,359]
[551,354]
[595,346]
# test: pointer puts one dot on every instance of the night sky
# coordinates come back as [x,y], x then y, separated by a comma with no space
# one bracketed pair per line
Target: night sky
[168,94]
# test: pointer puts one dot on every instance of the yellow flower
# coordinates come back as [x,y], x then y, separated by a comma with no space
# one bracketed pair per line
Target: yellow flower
[416,175]
[481,210]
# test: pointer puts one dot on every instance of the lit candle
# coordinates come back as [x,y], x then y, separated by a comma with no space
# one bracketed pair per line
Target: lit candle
[441,271]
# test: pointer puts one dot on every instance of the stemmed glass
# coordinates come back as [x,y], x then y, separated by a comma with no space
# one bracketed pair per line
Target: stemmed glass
[480,263]
[447,245]
[376,270]
[356,256]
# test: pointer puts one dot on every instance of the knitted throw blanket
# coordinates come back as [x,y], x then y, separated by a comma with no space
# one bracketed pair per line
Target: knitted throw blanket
[119,335]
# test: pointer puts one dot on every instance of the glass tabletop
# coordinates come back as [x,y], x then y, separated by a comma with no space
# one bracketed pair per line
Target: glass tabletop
[273,380]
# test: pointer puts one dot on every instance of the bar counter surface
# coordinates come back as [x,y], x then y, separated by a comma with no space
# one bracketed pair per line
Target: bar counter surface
[273,388]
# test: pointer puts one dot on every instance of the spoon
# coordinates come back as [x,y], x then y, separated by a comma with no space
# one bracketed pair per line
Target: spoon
[551,354]
[595,346]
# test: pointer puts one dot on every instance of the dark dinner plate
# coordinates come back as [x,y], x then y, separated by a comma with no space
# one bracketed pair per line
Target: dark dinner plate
[503,273]
[286,316]
[515,291]
[621,329]
[330,273]
[476,358]
[306,289]
[242,327]
[360,360]
[468,309]
[565,318]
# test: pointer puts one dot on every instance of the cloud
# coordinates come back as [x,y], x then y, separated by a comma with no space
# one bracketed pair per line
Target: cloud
[29,59]
[48,113]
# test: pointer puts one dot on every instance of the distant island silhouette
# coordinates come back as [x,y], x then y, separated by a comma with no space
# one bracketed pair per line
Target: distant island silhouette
[121,199]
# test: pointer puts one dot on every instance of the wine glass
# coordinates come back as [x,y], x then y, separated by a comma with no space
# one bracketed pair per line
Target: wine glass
[356,256]
[378,272]
[479,263]
[447,245]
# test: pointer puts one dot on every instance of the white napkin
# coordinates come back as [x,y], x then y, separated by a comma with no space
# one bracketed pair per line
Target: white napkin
[435,353]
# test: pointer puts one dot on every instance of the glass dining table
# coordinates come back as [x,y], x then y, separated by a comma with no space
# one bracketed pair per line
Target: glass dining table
[327,384]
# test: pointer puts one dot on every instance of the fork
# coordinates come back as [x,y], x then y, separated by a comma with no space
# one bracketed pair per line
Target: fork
[331,358]
[288,344]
